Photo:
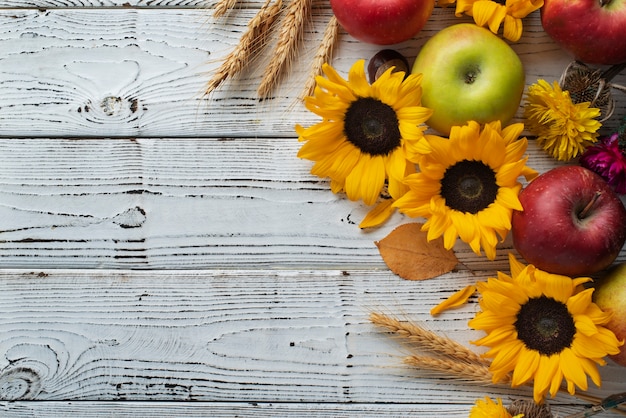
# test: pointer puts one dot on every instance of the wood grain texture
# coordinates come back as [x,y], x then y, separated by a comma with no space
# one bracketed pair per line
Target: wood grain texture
[230,409]
[184,203]
[141,72]
[250,335]
[167,254]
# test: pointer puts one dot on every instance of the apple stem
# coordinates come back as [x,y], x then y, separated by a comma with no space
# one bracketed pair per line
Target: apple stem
[583,213]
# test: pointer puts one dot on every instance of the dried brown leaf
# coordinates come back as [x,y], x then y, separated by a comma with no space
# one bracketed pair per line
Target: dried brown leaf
[408,253]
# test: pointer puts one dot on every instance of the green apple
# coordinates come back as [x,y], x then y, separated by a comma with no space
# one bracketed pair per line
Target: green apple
[469,74]
[610,295]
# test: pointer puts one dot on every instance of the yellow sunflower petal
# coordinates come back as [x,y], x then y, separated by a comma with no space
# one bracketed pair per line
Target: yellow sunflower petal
[556,286]
[572,369]
[578,303]
[548,378]
[526,367]
[522,8]
[455,300]
[513,28]
[487,12]
[506,356]
[586,346]
[464,6]
[379,214]
[591,369]
[358,80]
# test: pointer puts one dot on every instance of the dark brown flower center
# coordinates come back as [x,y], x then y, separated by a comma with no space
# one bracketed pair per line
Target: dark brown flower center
[372,126]
[545,325]
[469,186]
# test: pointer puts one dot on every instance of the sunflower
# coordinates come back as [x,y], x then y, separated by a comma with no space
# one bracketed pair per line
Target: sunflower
[564,129]
[544,327]
[467,185]
[493,13]
[489,409]
[368,135]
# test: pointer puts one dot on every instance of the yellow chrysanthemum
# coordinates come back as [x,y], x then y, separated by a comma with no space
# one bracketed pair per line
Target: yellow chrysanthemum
[368,134]
[542,327]
[492,13]
[563,129]
[467,185]
[490,409]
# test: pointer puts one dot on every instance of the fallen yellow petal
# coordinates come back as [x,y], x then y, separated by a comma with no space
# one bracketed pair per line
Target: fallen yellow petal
[457,299]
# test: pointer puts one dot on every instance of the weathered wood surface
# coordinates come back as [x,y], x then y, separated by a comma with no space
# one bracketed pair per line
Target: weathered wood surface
[141,72]
[255,280]
[224,335]
[183,203]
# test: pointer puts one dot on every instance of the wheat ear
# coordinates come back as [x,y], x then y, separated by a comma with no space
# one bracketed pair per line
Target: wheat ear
[476,373]
[428,340]
[257,32]
[323,55]
[289,37]
[223,6]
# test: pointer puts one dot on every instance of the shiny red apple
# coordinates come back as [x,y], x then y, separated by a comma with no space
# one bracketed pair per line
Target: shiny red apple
[382,22]
[572,224]
[593,31]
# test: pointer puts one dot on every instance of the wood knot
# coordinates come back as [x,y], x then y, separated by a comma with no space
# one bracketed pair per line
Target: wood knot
[115,105]
[19,383]
[111,109]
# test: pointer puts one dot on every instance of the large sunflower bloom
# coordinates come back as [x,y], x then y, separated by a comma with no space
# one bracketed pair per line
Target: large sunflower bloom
[563,129]
[467,185]
[493,13]
[367,136]
[489,409]
[542,327]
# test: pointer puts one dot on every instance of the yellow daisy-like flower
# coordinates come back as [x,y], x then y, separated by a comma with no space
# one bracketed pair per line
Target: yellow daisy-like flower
[542,327]
[368,135]
[492,13]
[563,129]
[467,185]
[490,409]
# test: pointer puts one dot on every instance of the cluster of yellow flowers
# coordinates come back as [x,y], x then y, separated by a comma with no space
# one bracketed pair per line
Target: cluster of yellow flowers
[372,143]
[371,139]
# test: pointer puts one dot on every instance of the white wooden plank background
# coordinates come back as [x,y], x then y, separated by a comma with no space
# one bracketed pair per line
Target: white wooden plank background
[164,253]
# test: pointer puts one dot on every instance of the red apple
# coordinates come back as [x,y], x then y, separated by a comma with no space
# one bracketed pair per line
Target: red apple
[610,295]
[572,224]
[382,22]
[594,31]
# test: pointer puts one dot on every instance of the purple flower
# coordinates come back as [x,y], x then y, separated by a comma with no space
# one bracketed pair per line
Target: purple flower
[608,160]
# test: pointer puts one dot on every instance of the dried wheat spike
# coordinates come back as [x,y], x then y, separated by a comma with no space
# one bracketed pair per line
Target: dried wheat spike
[428,340]
[323,55]
[289,37]
[475,373]
[222,7]
[255,36]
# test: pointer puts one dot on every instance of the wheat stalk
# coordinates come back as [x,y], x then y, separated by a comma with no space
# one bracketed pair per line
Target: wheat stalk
[476,373]
[256,34]
[288,38]
[428,340]
[223,6]
[323,55]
